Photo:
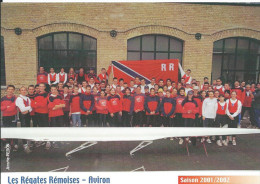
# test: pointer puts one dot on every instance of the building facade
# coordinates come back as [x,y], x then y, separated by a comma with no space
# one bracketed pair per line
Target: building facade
[211,40]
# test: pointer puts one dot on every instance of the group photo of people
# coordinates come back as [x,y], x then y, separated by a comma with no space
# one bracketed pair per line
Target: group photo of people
[80,99]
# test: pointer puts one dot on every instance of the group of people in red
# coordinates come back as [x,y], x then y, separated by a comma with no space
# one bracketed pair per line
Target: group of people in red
[80,99]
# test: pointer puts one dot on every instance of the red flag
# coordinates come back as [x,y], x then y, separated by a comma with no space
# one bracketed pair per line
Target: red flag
[147,69]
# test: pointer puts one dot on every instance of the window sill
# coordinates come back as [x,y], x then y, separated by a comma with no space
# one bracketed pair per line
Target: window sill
[3,87]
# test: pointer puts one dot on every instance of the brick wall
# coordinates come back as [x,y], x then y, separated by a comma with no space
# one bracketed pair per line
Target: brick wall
[180,20]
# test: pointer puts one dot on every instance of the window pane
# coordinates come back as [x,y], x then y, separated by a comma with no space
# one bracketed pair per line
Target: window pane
[242,46]
[228,76]
[252,62]
[45,59]
[148,43]
[241,60]
[216,66]
[255,47]
[45,43]
[229,62]
[3,80]
[162,43]
[161,55]
[59,58]
[230,45]
[134,44]
[89,43]
[60,41]
[239,75]
[147,55]
[133,56]
[75,41]
[175,45]
[218,46]
[176,56]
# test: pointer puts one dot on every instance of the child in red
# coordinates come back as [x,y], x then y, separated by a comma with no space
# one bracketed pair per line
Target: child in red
[102,109]
[75,107]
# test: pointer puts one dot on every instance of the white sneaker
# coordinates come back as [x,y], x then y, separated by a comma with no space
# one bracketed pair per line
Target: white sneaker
[26,148]
[225,142]
[48,145]
[234,142]
[209,141]
[181,141]
[219,143]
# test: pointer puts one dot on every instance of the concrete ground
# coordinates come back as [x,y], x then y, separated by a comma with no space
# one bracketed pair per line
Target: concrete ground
[162,155]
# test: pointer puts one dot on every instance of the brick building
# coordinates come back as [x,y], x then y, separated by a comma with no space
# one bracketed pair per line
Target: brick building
[80,34]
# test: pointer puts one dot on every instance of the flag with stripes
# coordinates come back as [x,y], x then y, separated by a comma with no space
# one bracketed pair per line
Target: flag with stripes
[147,69]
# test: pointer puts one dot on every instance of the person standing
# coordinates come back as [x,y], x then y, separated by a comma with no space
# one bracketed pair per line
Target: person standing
[139,114]
[102,109]
[31,94]
[62,76]
[209,112]
[114,108]
[42,76]
[167,109]
[127,107]
[66,110]
[234,107]
[185,75]
[103,76]
[152,107]
[52,77]
[24,106]
[75,111]
[256,104]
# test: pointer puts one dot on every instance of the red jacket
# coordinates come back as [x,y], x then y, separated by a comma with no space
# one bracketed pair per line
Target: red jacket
[179,101]
[75,103]
[87,103]
[198,99]
[190,108]
[32,113]
[114,104]
[222,109]
[240,93]
[247,100]
[42,78]
[8,101]
[152,103]
[96,96]
[67,102]
[128,103]
[40,103]
[55,100]
[102,105]
[103,78]
[139,102]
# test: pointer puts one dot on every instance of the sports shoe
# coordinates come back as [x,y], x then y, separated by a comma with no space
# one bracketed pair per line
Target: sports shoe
[208,141]
[219,143]
[225,143]
[181,141]
[234,142]
[15,147]
[26,148]
[213,138]
[171,138]
[48,145]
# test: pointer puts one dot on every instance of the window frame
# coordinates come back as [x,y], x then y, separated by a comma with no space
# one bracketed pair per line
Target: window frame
[169,52]
[236,55]
[3,74]
[81,51]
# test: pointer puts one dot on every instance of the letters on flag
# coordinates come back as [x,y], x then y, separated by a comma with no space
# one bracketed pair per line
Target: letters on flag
[147,69]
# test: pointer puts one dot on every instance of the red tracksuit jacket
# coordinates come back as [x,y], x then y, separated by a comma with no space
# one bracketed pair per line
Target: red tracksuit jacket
[102,105]
[87,103]
[168,107]
[96,96]
[42,78]
[55,100]
[240,93]
[179,101]
[139,100]
[114,104]
[189,106]
[67,102]
[32,113]
[247,100]
[198,99]
[152,103]
[128,103]
[40,103]
[8,101]
[75,103]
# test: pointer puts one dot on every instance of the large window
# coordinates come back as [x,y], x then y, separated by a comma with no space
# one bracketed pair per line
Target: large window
[148,47]
[3,80]
[66,49]
[236,59]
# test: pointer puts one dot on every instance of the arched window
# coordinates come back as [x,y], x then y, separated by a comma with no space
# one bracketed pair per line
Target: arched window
[3,79]
[148,47]
[236,59]
[67,49]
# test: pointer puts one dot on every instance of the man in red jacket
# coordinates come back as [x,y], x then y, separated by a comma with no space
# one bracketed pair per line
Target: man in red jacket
[114,108]
[247,105]
[66,110]
[9,110]
[240,91]
[40,105]
[139,114]
[31,95]
[42,76]
[55,106]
